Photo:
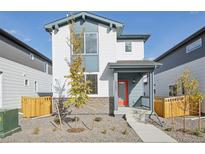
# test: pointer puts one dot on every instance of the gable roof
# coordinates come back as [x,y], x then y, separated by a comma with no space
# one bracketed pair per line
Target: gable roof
[197,33]
[133,37]
[22,44]
[84,15]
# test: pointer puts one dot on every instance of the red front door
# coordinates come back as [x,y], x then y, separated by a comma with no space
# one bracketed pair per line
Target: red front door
[123,92]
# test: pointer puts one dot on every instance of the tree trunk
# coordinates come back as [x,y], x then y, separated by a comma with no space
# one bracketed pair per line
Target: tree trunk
[184,117]
[199,122]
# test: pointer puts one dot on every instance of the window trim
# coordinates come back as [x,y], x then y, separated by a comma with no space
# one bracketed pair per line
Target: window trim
[35,86]
[131,46]
[31,56]
[28,83]
[197,44]
[46,67]
[85,77]
[84,46]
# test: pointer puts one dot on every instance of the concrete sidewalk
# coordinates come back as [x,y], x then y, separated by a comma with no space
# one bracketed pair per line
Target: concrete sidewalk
[147,132]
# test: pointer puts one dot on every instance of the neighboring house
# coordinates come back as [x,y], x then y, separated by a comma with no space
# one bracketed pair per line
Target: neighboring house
[23,71]
[190,53]
[113,61]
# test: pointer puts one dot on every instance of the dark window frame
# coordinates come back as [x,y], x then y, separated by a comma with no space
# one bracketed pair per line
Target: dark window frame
[128,46]
[96,83]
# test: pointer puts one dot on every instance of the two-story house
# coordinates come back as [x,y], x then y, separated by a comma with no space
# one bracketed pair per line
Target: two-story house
[188,54]
[114,62]
[23,71]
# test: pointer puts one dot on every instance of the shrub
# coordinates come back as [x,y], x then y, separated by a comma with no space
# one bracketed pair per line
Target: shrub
[125,132]
[98,119]
[113,128]
[104,131]
[168,129]
[197,133]
[36,131]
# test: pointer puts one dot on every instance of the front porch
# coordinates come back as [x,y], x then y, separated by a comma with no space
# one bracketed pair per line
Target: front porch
[128,86]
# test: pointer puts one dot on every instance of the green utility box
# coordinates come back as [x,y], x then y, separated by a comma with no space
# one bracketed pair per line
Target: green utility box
[9,122]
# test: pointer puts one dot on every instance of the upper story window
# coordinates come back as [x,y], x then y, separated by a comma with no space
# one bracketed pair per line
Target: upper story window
[128,46]
[90,43]
[32,56]
[46,67]
[193,46]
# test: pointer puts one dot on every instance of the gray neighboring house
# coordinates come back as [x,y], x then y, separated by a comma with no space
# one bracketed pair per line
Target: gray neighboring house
[190,53]
[23,71]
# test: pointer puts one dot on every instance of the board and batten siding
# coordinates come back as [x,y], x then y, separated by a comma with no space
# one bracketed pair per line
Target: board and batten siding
[13,76]
[166,78]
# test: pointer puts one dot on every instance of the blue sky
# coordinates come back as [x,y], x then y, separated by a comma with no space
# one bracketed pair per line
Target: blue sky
[166,28]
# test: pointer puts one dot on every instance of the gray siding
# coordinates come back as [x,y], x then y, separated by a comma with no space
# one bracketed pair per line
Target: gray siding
[16,53]
[179,56]
[135,91]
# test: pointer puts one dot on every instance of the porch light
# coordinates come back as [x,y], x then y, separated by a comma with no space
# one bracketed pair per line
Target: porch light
[133,81]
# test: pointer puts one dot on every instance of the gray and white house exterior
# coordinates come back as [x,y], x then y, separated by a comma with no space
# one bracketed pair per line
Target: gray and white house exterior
[114,62]
[23,71]
[188,54]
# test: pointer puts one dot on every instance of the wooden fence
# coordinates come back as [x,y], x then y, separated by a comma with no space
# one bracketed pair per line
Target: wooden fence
[173,107]
[36,106]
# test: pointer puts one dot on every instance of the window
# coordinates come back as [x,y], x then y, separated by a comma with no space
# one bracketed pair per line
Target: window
[35,86]
[32,56]
[173,90]
[94,83]
[26,82]
[46,67]
[91,43]
[193,46]
[77,47]
[128,46]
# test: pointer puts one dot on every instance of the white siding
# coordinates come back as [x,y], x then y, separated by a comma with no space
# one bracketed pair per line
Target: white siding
[166,78]
[137,50]
[109,51]
[60,53]
[13,78]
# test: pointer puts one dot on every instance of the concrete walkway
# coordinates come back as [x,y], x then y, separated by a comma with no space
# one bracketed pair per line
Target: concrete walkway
[147,132]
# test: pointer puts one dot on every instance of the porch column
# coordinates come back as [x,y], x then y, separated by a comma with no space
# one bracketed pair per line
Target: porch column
[115,90]
[151,90]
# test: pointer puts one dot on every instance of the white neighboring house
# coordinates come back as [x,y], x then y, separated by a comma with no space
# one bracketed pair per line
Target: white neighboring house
[114,62]
[23,71]
[188,54]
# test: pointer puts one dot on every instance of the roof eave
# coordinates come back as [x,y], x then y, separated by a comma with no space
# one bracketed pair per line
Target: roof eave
[63,21]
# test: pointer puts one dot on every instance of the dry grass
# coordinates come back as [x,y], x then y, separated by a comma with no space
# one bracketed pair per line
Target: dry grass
[125,132]
[113,128]
[75,130]
[104,131]
[98,119]
[36,131]
[169,129]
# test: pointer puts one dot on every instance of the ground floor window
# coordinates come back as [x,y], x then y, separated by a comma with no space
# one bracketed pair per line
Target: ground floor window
[173,90]
[94,82]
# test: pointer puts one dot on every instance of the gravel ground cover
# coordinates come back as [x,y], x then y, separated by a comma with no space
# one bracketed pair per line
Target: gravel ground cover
[109,129]
[177,134]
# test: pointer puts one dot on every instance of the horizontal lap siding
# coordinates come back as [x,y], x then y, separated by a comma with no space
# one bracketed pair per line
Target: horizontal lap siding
[13,82]
[166,78]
